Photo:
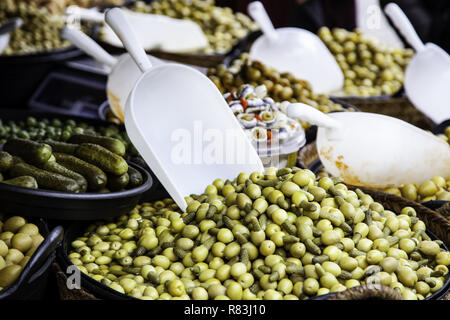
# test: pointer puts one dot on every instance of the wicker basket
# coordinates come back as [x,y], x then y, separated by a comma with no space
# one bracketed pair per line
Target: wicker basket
[367,292]
[400,108]
[307,155]
[66,293]
[445,210]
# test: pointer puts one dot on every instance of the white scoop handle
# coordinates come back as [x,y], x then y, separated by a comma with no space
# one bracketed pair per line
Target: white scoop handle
[403,24]
[116,19]
[84,14]
[259,14]
[85,43]
[309,114]
[10,25]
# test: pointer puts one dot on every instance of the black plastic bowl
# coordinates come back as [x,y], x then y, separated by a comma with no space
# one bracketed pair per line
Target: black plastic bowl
[57,205]
[98,289]
[156,192]
[20,75]
[33,280]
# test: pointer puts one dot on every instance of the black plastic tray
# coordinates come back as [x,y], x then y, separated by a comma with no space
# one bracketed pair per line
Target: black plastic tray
[33,280]
[71,206]
[316,165]
[20,75]
[102,291]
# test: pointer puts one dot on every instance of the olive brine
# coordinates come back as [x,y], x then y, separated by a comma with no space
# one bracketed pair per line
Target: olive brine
[284,234]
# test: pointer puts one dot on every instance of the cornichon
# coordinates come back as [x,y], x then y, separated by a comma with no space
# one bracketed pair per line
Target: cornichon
[135,178]
[102,158]
[62,147]
[95,177]
[45,179]
[23,181]
[6,161]
[114,145]
[30,151]
[55,167]
[116,183]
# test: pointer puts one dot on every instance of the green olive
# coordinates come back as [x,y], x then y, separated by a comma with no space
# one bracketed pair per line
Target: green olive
[348,263]
[374,257]
[406,276]
[9,274]
[310,286]
[225,235]
[302,178]
[30,229]
[234,291]
[3,249]
[13,224]
[267,247]
[289,188]
[200,293]
[427,189]
[14,256]
[442,258]
[430,248]
[330,237]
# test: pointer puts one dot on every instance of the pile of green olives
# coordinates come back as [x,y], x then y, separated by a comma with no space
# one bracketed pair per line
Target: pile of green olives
[222,27]
[279,235]
[40,30]
[370,68]
[437,188]
[19,240]
[280,86]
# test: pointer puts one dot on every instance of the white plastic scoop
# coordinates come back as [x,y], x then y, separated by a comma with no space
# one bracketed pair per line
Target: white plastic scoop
[427,76]
[181,124]
[295,50]
[123,74]
[5,29]
[372,150]
[153,31]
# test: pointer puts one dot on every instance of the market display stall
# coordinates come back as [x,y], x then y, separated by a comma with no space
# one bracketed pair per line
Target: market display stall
[139,216]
